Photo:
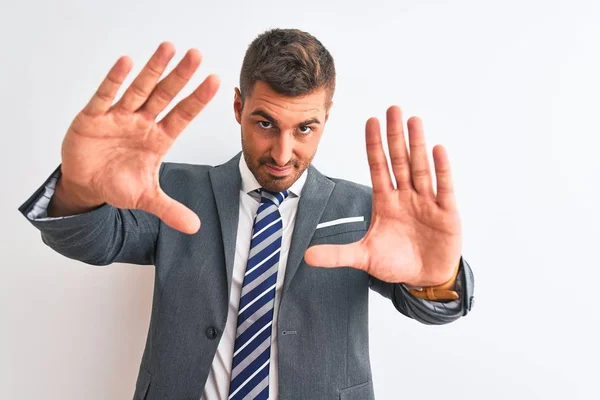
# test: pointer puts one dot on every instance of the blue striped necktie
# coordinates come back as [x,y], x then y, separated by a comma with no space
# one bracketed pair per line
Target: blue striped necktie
[252,349]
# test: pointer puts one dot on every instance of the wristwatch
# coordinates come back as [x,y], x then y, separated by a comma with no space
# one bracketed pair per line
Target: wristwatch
[445,291]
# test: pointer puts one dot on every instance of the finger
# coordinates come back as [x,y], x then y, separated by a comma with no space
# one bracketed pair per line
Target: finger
[187,109]
[106,92]
[419,163]
[141,87]
[397,145]
[380,173]
[331,255]
[173,213]
[445,187]
[169,87]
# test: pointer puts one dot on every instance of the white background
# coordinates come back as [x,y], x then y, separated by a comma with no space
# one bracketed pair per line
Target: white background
[511,88]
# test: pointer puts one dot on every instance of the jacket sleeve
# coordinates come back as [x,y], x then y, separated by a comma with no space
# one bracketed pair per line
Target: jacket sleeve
[98,237]
[428,311]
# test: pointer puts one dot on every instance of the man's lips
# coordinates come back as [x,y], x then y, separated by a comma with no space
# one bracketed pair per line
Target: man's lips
[278,171]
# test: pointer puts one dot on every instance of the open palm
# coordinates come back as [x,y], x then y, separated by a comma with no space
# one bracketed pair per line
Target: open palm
[415,234]
[112,153]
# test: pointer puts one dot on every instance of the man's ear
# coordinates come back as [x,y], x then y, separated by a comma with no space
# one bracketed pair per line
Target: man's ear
[328,109]
[237,105]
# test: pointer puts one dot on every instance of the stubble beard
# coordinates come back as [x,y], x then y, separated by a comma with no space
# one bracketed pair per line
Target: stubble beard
[271,182]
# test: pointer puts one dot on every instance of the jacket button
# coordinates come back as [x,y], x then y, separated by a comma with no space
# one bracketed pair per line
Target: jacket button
[211,332]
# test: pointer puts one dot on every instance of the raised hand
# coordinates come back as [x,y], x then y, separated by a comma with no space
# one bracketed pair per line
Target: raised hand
[415,234]
[112,153]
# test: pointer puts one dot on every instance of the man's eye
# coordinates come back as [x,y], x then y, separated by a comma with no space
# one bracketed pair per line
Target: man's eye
[264,124]
[305,129]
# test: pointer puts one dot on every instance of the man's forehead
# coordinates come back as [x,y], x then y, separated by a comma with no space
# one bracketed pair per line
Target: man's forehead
[265,98]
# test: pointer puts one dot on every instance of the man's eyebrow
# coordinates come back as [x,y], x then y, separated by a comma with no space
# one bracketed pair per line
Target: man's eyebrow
[311,121]
[272,120]
[265,115]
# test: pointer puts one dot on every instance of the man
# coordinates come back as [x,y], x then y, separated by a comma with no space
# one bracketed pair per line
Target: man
[260,301]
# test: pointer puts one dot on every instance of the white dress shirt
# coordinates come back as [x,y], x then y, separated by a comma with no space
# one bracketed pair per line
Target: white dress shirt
[217,384]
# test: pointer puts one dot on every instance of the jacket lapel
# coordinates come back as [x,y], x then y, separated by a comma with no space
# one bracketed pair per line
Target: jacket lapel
[312,203]
[226,183]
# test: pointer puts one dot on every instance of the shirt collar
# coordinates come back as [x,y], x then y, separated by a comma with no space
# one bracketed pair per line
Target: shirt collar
[249,182]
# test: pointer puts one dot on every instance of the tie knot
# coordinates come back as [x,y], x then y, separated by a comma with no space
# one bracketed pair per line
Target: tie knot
[273,197]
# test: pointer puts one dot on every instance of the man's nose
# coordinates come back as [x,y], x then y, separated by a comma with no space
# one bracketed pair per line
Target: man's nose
[282,149]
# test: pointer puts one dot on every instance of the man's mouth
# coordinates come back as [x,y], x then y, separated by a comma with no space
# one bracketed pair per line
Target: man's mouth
[278,171]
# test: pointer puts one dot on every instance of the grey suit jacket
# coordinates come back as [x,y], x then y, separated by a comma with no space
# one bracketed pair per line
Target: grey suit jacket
[323,314]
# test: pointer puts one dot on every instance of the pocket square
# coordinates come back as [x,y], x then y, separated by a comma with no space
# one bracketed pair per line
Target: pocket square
[340,221]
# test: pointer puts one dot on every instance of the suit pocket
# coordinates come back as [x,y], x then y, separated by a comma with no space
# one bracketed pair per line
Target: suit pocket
[363,391]
[338,227]
[142,384]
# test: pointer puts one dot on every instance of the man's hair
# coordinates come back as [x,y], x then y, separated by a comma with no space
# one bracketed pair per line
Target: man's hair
[290,61]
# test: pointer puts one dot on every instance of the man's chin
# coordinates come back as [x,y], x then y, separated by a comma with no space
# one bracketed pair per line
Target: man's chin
[277,183]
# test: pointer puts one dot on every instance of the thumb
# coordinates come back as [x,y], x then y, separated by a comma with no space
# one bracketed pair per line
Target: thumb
[333,255]
[173,213]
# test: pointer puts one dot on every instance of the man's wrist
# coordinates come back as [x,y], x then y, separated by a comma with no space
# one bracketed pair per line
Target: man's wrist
[445,291]
[66,201]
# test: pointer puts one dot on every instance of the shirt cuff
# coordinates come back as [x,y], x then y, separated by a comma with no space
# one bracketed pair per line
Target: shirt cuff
[39,211]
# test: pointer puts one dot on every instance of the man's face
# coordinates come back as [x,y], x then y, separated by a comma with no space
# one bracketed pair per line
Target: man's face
[280,134]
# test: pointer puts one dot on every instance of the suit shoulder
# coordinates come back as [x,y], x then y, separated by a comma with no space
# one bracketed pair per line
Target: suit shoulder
[185,168]
[350,188]
[173,173]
